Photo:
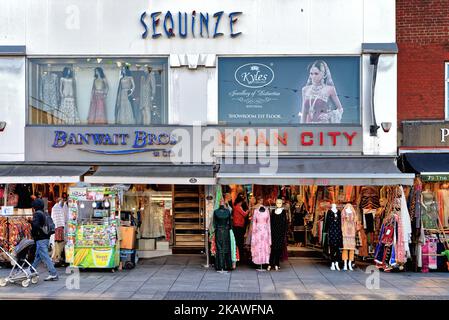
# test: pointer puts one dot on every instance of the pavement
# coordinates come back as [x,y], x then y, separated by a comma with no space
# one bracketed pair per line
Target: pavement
[184,277]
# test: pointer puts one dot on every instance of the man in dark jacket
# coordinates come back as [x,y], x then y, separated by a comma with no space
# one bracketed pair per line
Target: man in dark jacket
[42,240]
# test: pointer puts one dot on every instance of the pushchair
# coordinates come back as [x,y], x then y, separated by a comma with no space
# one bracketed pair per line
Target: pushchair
[22,271]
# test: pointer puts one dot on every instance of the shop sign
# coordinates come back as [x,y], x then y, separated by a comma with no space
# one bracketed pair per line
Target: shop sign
[186,24]
[428,134]
[289,90]
[184,144]
[435,178]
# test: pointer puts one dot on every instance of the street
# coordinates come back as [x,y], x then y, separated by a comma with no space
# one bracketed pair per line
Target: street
[184,277]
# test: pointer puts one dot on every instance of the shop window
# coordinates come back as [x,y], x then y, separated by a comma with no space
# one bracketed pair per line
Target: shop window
[97,91]
[289,90]
[446,90]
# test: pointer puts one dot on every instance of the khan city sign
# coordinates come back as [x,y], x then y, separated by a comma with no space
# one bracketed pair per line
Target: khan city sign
[163,144]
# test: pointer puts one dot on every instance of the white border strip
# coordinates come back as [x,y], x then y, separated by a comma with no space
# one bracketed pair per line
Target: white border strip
[39,179]
[149,180]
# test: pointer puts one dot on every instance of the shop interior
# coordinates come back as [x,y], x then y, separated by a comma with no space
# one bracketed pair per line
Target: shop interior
[378,209]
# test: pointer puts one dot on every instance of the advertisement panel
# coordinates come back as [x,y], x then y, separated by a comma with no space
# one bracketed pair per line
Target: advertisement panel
[289,90]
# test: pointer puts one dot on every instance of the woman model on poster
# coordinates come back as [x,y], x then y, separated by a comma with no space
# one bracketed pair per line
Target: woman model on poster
[316,96]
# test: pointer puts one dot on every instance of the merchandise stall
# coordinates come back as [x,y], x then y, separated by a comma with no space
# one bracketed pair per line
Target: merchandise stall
[93,223]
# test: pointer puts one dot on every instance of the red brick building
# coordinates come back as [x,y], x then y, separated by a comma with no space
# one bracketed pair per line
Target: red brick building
[422,32]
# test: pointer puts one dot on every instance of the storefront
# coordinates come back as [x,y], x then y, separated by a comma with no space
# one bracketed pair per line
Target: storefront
[169,101]
[424,152]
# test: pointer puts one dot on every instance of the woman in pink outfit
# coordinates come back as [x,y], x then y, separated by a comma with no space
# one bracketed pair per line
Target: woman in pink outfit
[261,236]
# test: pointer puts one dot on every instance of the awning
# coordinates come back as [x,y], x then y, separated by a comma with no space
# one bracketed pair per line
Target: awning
[431,166]
[29,173]
[315,171]
[154,174]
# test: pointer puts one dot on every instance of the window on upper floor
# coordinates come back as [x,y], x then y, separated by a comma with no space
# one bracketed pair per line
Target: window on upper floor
[289,90]
[97,91]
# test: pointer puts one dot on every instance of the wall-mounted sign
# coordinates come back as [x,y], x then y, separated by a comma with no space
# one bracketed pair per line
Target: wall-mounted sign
[429,134]
[183,143]
[289,90]
[193,24]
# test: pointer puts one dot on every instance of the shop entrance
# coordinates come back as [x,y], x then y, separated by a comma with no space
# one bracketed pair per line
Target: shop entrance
[306,207]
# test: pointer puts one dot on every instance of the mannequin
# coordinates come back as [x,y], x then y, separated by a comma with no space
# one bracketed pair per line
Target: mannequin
[278,223]
[49,93]
[67,90]
[298,218]
[124,111]
[147,94]
[429,214]
[261,236]
[100,89]
[348,226]
[335,237]
[222,227]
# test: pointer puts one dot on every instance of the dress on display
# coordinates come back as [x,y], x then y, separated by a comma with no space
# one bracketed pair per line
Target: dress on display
[261,237]
[69,111]
[332,228]
[97,110]
[157,229]
[147,94]
[49,92]
[124,113]
[429,211]
[348,227]
[222,227]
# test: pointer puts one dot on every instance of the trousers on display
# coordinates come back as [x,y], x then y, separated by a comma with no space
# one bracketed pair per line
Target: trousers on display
[347,255]
[334,253]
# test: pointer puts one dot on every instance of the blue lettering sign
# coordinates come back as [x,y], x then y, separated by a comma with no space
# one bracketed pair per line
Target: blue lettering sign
[217,15]
[232,21]
[142,21]
[140,140]
[204,20]
[60,139]
[155,23]
[182,34]
[169,32]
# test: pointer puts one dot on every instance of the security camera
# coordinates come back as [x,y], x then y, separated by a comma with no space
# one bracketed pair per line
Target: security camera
[386,126]
[2,125]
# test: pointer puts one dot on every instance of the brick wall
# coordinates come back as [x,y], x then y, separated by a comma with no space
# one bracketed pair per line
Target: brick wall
[422,32]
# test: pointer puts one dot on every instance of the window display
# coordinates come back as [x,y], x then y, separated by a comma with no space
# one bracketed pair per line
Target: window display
[98,91]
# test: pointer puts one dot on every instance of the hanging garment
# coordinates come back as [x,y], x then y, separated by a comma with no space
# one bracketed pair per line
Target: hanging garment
[97,110]
[24,192]
[348,226]
[168,224]
[261,237]
[368,220]
[49,92]
[157,221]
[124,112]
[443,199]
[147,95]
[429,214]
[68,110]
[222,227]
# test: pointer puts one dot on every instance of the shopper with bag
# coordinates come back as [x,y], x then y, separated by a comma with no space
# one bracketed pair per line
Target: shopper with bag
[42,229]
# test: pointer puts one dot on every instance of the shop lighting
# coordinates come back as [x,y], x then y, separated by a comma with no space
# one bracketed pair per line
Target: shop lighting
[94,204]
[82,205]
[119,64]
[99,60]
[106,204]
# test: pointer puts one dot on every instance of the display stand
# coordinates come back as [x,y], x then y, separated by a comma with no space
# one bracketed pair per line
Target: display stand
[92,235]
[261,269]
